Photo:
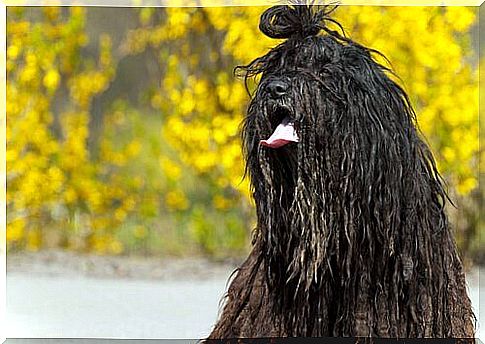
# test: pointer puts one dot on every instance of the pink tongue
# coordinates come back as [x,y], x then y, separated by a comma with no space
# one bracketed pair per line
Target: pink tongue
[283,134]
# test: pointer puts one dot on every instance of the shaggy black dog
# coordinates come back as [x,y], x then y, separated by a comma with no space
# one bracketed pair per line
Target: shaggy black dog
[352,237]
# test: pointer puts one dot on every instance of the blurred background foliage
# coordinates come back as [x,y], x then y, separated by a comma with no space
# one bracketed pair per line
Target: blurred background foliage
[122,123]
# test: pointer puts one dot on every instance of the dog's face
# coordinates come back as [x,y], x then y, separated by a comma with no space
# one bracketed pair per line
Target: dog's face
[321,98]
[299,90]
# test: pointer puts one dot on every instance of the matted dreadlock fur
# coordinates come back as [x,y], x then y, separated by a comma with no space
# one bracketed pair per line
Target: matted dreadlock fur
[352,237]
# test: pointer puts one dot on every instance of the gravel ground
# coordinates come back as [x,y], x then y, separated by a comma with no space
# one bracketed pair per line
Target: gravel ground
[64,295]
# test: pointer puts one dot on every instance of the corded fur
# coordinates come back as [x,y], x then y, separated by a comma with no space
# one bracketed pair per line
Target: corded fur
[352,236]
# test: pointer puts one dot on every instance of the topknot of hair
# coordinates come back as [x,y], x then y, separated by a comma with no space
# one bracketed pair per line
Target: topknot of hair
[285,21]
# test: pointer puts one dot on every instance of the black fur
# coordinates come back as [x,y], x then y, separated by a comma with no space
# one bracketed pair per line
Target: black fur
[352,236]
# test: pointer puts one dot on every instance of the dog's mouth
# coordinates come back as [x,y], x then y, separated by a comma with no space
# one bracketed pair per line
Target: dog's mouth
[284,132]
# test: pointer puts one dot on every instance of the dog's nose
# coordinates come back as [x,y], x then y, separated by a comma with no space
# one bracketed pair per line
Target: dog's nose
[277,88]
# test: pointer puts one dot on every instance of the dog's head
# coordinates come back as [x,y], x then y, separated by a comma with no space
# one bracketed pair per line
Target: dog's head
[313,89]
[294,75]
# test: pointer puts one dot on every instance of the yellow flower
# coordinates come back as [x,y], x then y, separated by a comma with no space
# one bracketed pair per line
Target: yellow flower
[467,185]
[221,202]
[133,148]
[51,79]
[70,195]
[12,52]
[176,200]
[34,240]
[120,214]
[15,229]
[171,169]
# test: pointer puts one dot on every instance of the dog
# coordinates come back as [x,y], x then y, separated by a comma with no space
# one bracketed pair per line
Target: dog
[352,237]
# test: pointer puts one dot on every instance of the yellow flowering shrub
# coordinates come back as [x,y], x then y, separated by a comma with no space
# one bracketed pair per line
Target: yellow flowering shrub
[430,50]
[57,195]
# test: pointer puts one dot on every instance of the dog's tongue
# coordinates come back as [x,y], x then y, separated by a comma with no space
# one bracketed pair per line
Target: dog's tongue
[283,134]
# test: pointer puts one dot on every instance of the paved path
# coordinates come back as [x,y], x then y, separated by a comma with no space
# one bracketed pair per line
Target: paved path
[86,307]
[42,305]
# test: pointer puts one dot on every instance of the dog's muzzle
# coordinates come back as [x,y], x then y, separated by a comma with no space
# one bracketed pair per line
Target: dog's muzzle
[275,89]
